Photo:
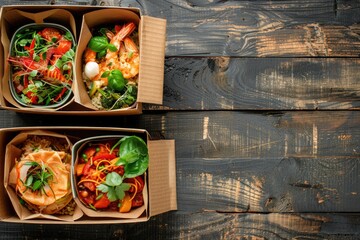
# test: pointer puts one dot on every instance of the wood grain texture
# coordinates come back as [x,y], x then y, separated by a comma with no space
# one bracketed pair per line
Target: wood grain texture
[249,164]
[250,28]
[223,83]
[258,28]
[233,161]
[203,225]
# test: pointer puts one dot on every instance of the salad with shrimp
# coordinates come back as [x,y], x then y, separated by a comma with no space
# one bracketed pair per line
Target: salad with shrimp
[111,66]
[110,174]
[41,60]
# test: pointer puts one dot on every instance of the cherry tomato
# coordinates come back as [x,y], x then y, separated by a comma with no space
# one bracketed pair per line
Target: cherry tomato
[103,202]
[64,46]
[89,199]
[32,97]
[50,33]
[138,200]
[89,152]
[90,185]
[139,183]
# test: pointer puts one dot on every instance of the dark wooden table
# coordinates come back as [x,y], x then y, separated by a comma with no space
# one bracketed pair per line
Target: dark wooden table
[263,99]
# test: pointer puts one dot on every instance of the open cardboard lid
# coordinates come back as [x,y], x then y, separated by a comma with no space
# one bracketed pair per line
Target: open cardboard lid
[152,57]
[162,176]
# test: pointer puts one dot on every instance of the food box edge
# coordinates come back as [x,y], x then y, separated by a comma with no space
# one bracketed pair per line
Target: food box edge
[167,150]
[148,91]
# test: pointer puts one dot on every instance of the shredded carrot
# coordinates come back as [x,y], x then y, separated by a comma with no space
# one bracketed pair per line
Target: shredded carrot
[97,166]
[88,180]
[135,186]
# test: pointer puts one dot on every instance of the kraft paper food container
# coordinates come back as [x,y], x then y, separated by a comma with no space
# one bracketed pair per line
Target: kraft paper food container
[161,174]
[14,20]
[152,34]
[38,26]
[12,153]
[76,151]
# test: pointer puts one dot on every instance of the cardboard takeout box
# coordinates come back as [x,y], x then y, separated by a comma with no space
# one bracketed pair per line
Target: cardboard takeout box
[152,33]
[161,174]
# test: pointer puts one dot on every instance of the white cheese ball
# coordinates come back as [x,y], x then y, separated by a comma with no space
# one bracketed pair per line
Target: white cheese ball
[91,70]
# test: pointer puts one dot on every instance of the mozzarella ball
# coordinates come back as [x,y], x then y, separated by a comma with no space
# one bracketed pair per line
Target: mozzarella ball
[91,70]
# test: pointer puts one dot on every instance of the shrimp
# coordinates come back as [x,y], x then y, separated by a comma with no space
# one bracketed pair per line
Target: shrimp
[112,57]
[89,55]
[51,75]
[129,59]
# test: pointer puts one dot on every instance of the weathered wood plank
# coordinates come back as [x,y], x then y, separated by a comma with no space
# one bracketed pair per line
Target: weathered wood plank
[251,28]
[204,225]
[258,28]
[251,161]
[261,83]
[231,134]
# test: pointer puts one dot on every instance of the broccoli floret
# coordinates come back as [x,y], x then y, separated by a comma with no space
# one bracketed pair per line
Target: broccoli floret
[107,100]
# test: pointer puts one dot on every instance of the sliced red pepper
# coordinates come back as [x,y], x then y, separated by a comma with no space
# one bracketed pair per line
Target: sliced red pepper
[31,48]
[89,152]
[60,94]
[105,156]
[103,202]
[90,185]
[139,184]
[89,199]
[26,81]
[64,46]
[138,200]
[87,169]
[32,97]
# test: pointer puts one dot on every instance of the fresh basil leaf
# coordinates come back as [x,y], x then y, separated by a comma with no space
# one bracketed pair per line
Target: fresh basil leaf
[136,168]
[112,48]
[113,179]
[131,145]
[105,74]
[116,80]
[120,162]
[98,43]
[101,54]
[103,188]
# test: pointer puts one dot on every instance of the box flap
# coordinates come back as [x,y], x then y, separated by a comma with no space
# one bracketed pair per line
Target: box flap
[152,56]
[162,176]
